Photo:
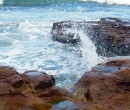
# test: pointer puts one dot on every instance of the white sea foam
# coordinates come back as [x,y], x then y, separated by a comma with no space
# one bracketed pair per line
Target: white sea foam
[1,1]
[88,50]
[37,28]
[120,2]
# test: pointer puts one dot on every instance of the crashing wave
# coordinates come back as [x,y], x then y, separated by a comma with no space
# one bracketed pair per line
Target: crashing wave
[119,2]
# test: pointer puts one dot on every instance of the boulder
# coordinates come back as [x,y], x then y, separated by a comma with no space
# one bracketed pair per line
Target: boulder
[111,36]
[6,71]
[32,90]
[39,80]
[106,86]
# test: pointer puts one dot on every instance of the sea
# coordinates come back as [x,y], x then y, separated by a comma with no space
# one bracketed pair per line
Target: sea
[26,42]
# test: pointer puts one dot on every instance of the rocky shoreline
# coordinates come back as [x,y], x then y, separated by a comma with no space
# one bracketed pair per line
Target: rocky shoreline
[32,90]
[111,36]
[105,87]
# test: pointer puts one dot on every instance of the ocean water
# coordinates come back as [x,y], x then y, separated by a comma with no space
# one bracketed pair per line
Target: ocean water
[26,42]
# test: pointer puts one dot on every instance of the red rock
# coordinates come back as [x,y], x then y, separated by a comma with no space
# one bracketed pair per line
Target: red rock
[6,71]
[39,80]
[16,80]
[5,88]
[107,84]
[32,90]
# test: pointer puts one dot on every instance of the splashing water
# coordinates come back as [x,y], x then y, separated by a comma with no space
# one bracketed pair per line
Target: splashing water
[120,2]
[1,1]
[25,39]
[28,45]
[88,50]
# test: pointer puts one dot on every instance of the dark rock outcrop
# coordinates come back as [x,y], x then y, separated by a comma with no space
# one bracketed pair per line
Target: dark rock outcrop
[110,35]
[106,86]
[63,32]
[32,90]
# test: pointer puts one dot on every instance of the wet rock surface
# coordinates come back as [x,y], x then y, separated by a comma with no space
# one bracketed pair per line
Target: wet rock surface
[6,71]
[106,86]
[62,32]
[32,90]
[110,35]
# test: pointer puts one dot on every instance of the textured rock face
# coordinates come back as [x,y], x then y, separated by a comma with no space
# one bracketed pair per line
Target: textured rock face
[106,86]
[6,71]
[39,80]
[64,32]
[110,35]
[32,90]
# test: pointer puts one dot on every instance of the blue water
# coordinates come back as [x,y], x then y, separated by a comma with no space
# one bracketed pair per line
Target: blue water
[26,42]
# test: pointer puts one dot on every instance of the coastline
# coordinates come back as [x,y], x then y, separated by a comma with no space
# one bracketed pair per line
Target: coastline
[106,86]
